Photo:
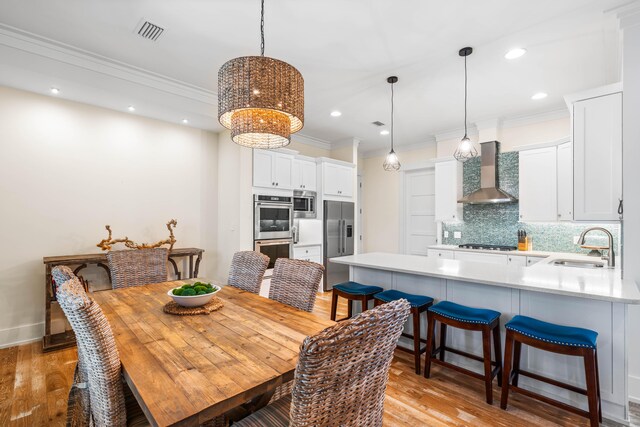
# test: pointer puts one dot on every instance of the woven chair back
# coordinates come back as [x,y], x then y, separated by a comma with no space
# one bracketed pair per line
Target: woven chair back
[137,267]
[342,372]
[295,282]
[247,270]
[97,348]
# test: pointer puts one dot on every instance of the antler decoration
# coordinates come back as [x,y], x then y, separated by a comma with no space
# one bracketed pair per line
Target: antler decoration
[106,244]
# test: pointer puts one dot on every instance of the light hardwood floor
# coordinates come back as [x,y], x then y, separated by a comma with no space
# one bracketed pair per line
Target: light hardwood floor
[34,387]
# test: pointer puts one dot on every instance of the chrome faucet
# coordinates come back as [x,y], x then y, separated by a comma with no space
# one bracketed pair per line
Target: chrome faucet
[611,256]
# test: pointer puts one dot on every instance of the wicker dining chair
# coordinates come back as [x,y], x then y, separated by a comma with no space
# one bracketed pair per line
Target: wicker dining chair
[341,375]
[99,355]
[137,267]
[295,283]
[247,270]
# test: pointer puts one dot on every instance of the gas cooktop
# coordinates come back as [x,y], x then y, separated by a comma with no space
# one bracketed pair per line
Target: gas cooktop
[487,247]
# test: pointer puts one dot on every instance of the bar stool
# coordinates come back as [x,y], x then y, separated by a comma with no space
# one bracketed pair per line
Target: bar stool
[352,291]
[558,339]
[471,319]
[419,304]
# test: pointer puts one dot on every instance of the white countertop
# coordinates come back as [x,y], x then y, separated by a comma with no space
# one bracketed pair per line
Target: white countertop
[600,284]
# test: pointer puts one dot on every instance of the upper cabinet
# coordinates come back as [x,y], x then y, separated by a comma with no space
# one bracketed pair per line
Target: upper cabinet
[448,176]
[597,153]
[272,169]
[538,185]
[304,175]
[597,149]
[565,182]
[337,179]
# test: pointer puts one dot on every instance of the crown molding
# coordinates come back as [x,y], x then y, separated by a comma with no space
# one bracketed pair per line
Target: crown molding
[628,14]
[44,47]
[311,141]
[529,119]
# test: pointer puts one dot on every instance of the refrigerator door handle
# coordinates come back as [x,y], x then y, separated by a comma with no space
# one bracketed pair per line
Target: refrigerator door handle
[344,236]
[339,237]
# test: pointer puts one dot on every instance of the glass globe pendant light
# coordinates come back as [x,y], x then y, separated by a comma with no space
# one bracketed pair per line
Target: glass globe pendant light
[465,149]
[260,99]
[391,162]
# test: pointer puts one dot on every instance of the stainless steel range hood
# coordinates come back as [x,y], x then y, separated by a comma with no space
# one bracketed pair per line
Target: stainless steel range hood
[489,192]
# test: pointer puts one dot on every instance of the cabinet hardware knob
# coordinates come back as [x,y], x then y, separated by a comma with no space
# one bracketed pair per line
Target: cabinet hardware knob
[273,183]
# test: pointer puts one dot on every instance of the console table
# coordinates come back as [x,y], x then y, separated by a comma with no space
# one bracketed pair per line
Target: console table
[78,263]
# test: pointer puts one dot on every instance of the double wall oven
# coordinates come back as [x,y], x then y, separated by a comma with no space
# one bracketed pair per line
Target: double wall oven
[273,225]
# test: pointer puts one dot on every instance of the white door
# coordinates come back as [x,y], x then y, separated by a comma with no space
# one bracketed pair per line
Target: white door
[538,185]
[308,171]
[331,179]
[296,172]
[565,182]
[419,211]
[283,168]
[597,145]
[262,169]
[448,190]
[346,181]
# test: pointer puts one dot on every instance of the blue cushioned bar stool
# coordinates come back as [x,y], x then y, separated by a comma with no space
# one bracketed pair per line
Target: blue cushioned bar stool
[470,319]
[352,291]
[419,304]
[558,339]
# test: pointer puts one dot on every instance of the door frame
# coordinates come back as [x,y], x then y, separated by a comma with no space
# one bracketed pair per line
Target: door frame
[402,226]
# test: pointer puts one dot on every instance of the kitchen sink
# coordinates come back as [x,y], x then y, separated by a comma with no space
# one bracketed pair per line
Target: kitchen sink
[578,263]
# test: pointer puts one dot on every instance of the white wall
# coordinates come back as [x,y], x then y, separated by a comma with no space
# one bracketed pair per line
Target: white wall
[381,199]
[67,169]
[631,176]
[235,202]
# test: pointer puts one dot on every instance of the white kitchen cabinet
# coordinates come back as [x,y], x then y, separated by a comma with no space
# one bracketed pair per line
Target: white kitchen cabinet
[517,260]
[337,180]
[272,169]
[597,148]
[448,183]
[534,260]
[440,253]
[565,182]
[481,257]
[308,253]
[304,175]
[538,185]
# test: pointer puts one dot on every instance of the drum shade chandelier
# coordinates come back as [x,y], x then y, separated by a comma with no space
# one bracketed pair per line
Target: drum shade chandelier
[465,149]
[260,99]
[391,162]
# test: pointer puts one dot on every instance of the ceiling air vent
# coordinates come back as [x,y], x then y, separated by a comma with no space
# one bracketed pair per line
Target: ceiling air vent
[149,31]
[377,123]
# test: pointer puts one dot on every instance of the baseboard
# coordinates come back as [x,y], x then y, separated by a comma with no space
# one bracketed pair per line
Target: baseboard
[21,335]
[634,389]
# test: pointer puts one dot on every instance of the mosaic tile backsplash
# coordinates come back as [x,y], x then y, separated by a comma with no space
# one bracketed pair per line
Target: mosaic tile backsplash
[498,224]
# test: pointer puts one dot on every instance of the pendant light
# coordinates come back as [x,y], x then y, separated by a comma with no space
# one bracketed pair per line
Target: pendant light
[391,162]
[465,149]
[260,99]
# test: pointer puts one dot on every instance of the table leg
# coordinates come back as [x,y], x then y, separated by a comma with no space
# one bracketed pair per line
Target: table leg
[197,267]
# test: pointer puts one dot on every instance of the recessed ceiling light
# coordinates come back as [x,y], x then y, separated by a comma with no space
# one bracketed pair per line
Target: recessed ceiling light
[384,132]
[515,53]
[54,90]
[336,114]
[539,95]
[185,121]
[131,108]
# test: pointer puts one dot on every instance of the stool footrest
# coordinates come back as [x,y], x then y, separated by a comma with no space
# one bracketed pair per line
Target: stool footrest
[460,353]
[550,381]
[549,401]
[406,335]
[458,368]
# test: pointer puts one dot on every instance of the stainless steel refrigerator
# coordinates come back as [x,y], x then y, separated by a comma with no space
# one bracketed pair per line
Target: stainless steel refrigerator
[338,240]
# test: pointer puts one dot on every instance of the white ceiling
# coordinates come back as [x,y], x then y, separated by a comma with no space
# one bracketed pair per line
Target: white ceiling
[344,49]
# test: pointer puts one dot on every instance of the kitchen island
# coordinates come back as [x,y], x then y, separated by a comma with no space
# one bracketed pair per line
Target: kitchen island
[590,298]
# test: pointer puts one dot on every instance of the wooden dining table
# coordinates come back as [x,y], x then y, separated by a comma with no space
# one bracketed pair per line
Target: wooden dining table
[186,370]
